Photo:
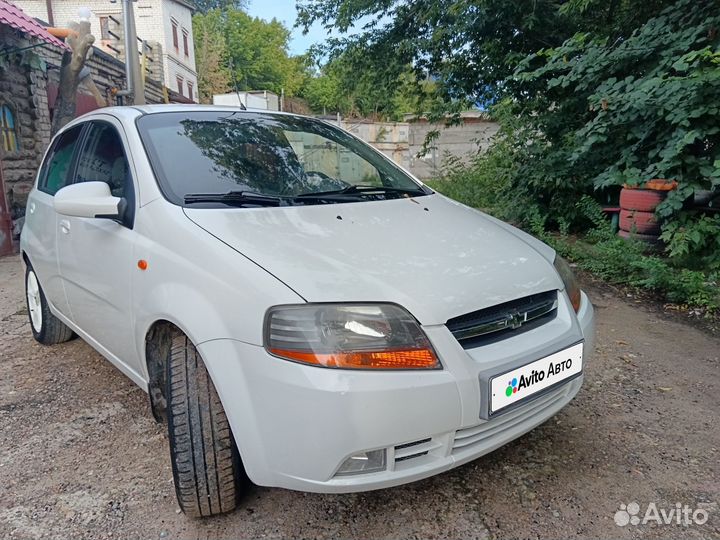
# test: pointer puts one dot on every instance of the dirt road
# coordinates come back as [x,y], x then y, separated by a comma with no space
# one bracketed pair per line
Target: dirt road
[82,457]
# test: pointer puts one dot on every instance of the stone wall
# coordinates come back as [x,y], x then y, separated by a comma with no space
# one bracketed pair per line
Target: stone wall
[23,88]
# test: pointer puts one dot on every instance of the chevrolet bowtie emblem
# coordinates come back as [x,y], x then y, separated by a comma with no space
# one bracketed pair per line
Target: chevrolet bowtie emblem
[516,320]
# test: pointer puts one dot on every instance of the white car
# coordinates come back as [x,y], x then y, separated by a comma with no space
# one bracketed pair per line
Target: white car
[301,311]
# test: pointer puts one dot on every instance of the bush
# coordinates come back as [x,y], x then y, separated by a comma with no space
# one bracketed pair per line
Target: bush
[481,183]
[624,262]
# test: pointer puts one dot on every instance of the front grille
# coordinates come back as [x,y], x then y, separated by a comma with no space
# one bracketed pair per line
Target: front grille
[489,433]
[501,321]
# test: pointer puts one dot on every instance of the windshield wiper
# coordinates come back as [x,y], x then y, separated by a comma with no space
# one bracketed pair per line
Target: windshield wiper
[235,198]
[249,198]
[362,190]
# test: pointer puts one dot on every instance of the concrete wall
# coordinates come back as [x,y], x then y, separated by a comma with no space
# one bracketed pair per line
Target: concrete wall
[391,138]
[462,141]
[403,141]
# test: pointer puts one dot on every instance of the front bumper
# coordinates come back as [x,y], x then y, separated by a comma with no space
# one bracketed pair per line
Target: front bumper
[295,425]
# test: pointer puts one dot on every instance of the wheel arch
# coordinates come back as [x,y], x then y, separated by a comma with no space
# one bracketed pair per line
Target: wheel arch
[158,340]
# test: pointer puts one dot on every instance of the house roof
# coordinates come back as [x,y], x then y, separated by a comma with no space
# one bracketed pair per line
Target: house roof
[13,16]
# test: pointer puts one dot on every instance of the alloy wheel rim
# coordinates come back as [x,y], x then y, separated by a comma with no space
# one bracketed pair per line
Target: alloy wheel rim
[34,303]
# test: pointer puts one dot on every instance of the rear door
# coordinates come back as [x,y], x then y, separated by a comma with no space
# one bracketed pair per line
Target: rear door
[96,255]
[40,230]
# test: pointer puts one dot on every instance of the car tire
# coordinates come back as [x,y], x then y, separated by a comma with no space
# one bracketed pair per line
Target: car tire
[644,200]
[206,464]
[46,327]
[651,239]
[639,222]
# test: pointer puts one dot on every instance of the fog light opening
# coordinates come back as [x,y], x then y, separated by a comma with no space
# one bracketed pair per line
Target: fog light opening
[363,462]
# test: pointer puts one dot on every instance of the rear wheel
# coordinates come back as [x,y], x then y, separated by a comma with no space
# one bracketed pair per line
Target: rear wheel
[206,465]
[46,327]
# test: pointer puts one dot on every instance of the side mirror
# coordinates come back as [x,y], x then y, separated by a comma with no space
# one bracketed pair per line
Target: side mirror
[89,200]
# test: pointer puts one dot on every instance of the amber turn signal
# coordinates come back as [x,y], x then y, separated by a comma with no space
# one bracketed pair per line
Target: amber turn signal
[399,359]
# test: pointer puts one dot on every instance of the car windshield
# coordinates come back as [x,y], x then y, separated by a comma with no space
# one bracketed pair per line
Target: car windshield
[226,157]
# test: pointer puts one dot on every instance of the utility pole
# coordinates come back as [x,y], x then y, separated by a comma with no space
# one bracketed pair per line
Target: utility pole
[135,84]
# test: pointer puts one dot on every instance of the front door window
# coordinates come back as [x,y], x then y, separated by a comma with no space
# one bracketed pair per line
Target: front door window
[55,172]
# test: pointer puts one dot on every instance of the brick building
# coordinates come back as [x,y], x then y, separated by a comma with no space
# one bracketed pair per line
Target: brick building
[165,26]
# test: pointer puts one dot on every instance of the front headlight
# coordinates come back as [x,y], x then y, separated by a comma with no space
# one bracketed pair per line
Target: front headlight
[350,336]
[568,277]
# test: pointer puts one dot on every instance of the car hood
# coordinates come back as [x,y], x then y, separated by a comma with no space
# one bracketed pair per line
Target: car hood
[431,255]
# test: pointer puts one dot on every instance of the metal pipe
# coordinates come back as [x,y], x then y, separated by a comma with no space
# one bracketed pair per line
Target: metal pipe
[50,15]
[129,87]
[134,84]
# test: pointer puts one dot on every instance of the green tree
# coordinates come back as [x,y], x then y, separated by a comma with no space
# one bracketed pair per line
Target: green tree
[211,55]
[469,47]
[205,6]
[236,51]
[386,95]
[258,51]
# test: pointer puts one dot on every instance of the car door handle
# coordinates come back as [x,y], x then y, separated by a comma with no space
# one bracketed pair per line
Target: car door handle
[65,226]
[32,207]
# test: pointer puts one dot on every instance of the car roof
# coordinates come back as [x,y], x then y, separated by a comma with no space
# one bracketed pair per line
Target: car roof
[177,107]
[128,113]
[133,110]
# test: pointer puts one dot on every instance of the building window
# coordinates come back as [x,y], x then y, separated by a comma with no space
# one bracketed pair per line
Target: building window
[185,43]
[7,128]
[180,85]
[105,27]
[175,34]
[190,90]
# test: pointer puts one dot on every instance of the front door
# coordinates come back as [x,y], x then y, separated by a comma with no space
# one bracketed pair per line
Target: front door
[40,232]
[96,255]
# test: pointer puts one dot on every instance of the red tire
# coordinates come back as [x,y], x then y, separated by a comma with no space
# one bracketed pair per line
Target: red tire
[644,200]
[652,239]
[639,222]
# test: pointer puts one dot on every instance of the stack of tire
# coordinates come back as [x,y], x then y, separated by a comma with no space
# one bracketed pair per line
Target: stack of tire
[637,210]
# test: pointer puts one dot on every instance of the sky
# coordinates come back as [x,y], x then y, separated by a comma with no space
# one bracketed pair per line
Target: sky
[284,10]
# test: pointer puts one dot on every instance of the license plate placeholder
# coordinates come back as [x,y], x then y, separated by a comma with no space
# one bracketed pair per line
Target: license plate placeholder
[519,384]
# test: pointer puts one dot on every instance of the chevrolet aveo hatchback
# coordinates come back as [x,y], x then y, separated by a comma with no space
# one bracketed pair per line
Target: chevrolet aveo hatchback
[301,311]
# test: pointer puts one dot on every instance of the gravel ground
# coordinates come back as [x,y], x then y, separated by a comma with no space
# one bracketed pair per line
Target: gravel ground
[82,457]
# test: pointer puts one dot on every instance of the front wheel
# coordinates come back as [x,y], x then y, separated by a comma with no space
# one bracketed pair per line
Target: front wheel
[46,327]
[206,464]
